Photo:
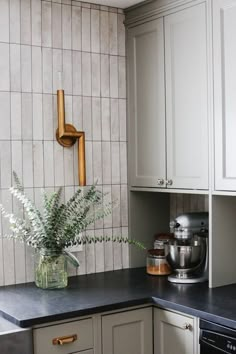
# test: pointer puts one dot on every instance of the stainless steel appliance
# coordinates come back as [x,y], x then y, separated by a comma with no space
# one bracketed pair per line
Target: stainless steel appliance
[13,339]
[215,338]
[188,251]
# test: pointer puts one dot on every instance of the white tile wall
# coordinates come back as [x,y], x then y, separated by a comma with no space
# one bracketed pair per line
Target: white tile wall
[38,38]
[182,203]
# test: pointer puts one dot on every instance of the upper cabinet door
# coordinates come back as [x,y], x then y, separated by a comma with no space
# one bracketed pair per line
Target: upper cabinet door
[186,98]
[224,47]
[146,105]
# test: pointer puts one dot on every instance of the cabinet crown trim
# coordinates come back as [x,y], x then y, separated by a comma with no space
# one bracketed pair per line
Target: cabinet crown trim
[147,9]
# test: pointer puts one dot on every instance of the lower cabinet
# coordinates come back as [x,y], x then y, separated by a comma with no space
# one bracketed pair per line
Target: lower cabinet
[174,333]
[125,332]
[128,332]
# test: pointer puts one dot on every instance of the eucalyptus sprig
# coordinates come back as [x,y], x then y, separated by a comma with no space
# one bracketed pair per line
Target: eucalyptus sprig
[59,225]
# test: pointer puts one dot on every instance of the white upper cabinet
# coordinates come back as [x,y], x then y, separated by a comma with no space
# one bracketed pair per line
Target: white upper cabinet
[146,91]
[168,101]
[186,98]
[224,50]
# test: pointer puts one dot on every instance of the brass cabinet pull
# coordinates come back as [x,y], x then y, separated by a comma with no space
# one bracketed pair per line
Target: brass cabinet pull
[64,340]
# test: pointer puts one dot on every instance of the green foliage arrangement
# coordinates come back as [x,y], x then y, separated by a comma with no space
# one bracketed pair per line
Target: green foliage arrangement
[59,225]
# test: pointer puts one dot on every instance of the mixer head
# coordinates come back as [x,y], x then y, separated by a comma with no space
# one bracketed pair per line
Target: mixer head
[186,225]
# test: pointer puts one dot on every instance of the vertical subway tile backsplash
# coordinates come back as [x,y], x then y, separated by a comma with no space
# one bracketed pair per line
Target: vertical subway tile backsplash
[4,67]
[39,38]
[66,26]
[26,71]
[14,20]
[181,203]
[86,30]
[36,22]
[5,116]
[46,24]
[95,31]
[76,28]
[15,67]
[37,69]
[25,22]
[15,116]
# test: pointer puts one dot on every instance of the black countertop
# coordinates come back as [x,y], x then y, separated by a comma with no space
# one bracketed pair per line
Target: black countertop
[26,305]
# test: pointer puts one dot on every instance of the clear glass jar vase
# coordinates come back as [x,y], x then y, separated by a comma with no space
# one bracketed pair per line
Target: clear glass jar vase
[50,270]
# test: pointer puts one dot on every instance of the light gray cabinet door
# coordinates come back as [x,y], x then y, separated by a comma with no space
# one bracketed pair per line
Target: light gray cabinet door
[224,50]
[128,332]
[186,98]
[146,105]
[173,333]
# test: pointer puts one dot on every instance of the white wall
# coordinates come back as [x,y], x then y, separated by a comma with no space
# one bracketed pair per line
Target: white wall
[38,39]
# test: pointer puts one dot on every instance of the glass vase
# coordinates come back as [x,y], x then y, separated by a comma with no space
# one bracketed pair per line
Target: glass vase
[50,270]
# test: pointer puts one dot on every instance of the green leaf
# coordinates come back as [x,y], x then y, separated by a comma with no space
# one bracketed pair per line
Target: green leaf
[59,224]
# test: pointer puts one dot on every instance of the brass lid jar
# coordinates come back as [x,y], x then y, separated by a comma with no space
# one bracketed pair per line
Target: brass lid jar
[156,262]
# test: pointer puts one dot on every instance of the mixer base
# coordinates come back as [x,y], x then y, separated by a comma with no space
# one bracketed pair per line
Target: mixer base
[191,279]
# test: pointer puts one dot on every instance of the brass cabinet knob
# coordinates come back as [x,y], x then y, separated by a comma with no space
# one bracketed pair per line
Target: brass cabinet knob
[160,182]
[187,326]
[169,182]
[64,340]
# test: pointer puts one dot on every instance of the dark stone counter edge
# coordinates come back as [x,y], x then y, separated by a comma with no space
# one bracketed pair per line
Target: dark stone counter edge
[117,306]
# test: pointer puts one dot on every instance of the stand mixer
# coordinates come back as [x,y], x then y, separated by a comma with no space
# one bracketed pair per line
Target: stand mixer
[188,251]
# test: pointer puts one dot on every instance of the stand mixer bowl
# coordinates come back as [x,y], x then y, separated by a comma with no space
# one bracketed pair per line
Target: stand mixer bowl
[186,256]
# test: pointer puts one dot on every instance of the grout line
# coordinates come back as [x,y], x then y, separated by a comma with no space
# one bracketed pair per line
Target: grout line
[54,94]
[22,171]
[69,186]
[73,50]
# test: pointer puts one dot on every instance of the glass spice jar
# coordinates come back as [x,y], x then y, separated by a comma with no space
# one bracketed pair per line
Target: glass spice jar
[157,263]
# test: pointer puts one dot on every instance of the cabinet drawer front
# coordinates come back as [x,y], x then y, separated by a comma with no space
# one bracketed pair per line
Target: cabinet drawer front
[43,337]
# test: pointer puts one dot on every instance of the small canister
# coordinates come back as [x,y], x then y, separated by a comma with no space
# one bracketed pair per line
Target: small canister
[157,263]
[163,240]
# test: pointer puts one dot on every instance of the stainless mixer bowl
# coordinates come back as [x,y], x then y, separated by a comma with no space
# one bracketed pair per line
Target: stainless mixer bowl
[186,257]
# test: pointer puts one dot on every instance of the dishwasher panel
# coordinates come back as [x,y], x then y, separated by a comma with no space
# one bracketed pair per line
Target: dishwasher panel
[216,339]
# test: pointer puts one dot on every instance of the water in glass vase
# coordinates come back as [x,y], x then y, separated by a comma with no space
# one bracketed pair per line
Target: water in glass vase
[50,270]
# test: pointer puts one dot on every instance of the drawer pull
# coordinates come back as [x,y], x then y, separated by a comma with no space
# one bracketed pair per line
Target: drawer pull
[64,340]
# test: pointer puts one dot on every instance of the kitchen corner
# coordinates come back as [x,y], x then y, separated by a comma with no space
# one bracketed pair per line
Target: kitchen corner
[137,98]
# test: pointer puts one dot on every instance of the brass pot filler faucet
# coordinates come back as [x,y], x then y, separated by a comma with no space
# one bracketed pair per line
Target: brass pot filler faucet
[67,135]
